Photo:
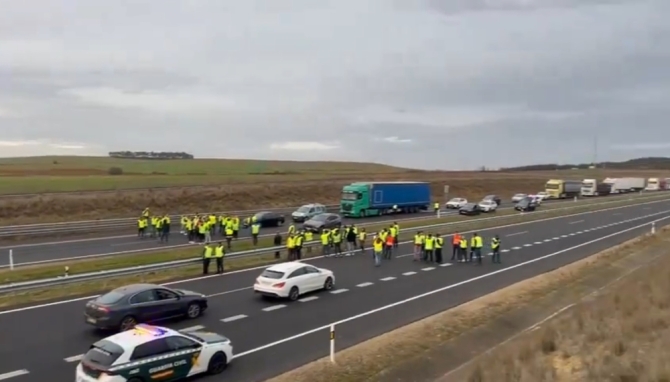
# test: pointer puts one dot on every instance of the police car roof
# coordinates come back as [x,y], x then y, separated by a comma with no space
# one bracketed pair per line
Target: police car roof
[139,335]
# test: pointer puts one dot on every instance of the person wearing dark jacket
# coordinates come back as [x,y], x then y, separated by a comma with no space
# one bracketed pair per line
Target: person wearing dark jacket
[277,243]
[351,240]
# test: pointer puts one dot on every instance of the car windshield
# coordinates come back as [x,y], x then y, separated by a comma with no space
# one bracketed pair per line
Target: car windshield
[270,274]
[349,196]
[303,209]
[486,202]
[455,200]
[489,197]
[110,298]
[321,217]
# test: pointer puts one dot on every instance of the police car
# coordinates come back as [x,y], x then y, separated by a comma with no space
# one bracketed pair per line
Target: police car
[149,353]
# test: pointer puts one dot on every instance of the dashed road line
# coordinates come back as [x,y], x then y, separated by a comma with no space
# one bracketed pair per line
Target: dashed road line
[387,279]
[564,236]
[538,242]
[516,248]
[13,374]
[234,318]
[547,240]
[274,307]
[310,298]
[363,285]
[409,273]
[528,245]
[577,222]
[446,264]
[556,238]
[428,269]
[516,234]
[505,250]
[338,291]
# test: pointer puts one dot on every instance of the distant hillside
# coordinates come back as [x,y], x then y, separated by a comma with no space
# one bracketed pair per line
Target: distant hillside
[651,163]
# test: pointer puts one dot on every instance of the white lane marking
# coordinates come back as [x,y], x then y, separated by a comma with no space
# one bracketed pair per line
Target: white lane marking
[229,291]
[428,269]
[274,307]
[409,273]
[435,291]
[538,242]
[234,318]
[310,298]
[577,222]
[74,358]
[387,279]
[363,285]
[579,232]
[192,328]
[516,248]
[505,250]
[446,264]
[528,245]
[338,291]
[517,233]
[13,374]
[547,240]
[564,236]
[199,278]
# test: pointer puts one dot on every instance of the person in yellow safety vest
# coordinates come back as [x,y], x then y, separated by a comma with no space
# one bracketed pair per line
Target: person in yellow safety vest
[146,213]
[141,226]
[436,206]
[236,226]
[221,224]
[362,235]
[439,243]
[417,246]
[423,244]
[397,234]
[255,231]
[165,228]
[291,229]
[182,224]
[495,248]
[394,234]
[158,227]
[154,223]
[189,230]
[476,245]
[207,254]
[299,240]
[430,247]
[377,249]
[207,230]
[246,222]
[202,230]
[325,243]
[290,247]
[254,219]
[229,226]
[336,236]
[464,249]
[211,224]
[309,237]
[229,237]
[219,252]
[388,247]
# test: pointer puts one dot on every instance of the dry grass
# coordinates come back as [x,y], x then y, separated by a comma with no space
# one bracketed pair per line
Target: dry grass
[225,185]
[617,339]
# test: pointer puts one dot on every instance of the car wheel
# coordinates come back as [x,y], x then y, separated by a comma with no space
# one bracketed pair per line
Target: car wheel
[127,323]
[294,294]
[328,285]
[194,310]
[217,364]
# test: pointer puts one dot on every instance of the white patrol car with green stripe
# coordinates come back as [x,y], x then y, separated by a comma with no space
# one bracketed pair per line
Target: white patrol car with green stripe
[152,353]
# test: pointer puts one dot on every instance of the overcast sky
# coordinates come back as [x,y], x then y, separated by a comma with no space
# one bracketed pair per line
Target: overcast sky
[451,84]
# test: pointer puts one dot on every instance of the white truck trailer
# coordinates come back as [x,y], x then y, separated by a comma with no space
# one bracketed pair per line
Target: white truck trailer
[624,185]
[592,187]
[656,184]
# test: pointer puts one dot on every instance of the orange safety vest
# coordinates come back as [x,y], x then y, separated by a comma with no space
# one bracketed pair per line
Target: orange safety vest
[457,240]
[390,240]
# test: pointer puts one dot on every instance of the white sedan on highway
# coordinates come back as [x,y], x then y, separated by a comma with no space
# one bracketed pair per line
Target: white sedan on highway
[542,195]
[293,279]
[518,197]
[536,198]
[456,203]
[488,206]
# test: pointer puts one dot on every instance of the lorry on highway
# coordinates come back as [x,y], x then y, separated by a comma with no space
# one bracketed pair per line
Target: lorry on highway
[656,184]
[592,187]
[361,199]
[561,189]
[624,185]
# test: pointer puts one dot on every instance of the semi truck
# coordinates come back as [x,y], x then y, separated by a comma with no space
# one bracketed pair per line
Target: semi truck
[624,185]
[561,189]
[656,184]
[592,187]
[361,199]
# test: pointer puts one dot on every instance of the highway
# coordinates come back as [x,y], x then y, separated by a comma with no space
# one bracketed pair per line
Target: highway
[44,342]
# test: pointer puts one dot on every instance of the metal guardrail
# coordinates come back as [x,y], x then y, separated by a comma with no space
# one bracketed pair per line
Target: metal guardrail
[63,280]
[90,225]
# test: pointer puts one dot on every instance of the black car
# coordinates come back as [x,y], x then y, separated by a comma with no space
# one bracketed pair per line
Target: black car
[124,307]
[323,221]
[269,219]
[470,209]
[526,204]
[495,198]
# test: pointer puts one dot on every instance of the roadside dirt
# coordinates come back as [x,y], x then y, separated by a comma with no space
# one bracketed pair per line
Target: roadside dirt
[450,341]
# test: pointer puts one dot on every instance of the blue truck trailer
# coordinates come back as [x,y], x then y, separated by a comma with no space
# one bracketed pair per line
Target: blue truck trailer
[363,199]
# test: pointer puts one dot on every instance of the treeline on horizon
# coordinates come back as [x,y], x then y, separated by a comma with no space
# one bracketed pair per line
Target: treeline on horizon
[150,155]
[651,163]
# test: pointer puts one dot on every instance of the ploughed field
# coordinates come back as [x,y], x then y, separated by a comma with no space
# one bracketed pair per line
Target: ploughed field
[189,186]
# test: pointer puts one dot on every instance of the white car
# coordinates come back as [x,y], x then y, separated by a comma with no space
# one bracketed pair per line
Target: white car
[519,197]
[537,199]
[542,195]
[149,352]
[292,279]
[456,203]
[488,206]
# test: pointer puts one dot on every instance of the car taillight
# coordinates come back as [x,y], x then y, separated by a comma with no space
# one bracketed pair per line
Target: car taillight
[103,309]
[279,285]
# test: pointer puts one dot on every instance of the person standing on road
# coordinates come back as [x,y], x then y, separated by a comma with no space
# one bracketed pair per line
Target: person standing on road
[436,207]
[336,236]
[229,237]
[165,228]
[477,245]
[219,253]
[495,248]
[141,227]
[362,236]
[439,243]
[207,254]
[389,247]
[351,239]
[378,248]
[463,250]
[277,243]
[456,246]
[255,231]
[397,234]
[236,227]
[290,247]
[309,237]
[417,246]
[325,243]
[429,248]
[299,239]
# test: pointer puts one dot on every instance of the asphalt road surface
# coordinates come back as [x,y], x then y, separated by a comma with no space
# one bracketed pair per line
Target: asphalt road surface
[73,249]
[43,343]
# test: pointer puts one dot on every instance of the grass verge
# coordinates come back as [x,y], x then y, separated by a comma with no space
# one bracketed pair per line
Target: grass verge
[144,258]
[426,349]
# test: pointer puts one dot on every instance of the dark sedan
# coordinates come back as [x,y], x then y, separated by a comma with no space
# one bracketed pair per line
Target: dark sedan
[269,219]
[526,204]
[495,198]
[470,209]
[125,307]
[323,221]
